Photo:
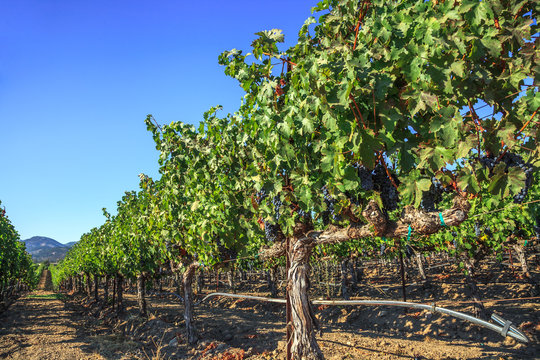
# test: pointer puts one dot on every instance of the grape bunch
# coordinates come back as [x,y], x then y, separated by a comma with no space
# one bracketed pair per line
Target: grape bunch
[454,241]
[433,196]
[487,161]
[276,201]
[477,231]
[226,253]
[383,247]
[527,169]
[365,175]
[512,160]
[260,196]
[330,210]
[515,160]
[305,215]
[383,184]
[366,182]
[271,231]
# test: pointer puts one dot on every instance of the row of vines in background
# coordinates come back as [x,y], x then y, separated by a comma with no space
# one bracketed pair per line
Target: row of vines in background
[370,134]
[17,271]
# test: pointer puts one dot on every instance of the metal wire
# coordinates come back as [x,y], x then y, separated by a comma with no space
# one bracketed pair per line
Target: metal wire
[511,331]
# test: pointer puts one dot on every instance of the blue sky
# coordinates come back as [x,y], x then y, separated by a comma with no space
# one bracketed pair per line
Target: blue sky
[77,79]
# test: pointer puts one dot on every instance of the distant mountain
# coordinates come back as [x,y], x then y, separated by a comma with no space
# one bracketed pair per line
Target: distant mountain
[43,248]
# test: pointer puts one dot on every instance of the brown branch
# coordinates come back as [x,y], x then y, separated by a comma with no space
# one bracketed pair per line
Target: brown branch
[383,163]
[362,13]
[421,222]
[528,122]
[518,133]
[358,110]
[275,251]
[474,116]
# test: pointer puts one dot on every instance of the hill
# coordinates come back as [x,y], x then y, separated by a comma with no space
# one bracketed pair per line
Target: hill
[43,248]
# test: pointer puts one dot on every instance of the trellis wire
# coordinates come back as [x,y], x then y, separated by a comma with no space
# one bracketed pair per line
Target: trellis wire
[507,329]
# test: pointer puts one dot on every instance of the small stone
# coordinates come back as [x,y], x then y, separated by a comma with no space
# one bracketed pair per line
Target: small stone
[508,341]
[227,336]
[382,313]
[173,342]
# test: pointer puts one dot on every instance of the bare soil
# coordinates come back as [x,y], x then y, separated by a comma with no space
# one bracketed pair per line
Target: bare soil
[40,326]
[232,329]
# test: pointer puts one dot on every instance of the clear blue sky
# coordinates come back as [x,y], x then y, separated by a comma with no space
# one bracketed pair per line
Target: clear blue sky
[77,79]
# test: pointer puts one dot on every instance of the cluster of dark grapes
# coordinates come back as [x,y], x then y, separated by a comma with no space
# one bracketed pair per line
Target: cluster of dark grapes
[277,206]
[383,247]
[330,210]
[305,215]
[365,175]
[487,161]
[226,253]
[454,241]
[516,160]
[271,231]
[477,230]
[383,184]
[261,195]
[366,182]
[512,160]
[433,196]
[527,169]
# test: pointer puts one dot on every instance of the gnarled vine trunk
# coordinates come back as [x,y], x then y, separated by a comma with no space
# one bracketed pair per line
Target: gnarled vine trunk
[230,280]
[119,294]
[420,264]
[106,290]
[520,252]
[199,280]
[141,301]
[88,285]
[472,288]
[271,281]
[191,331]
[304,344]
[96,287]
[114,292]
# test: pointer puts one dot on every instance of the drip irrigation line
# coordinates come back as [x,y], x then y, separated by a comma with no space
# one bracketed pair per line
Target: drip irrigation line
[507,329]
[239,296]
[489,301]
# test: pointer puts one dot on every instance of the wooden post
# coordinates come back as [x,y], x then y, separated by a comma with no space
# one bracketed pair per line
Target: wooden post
[288,307]
[402,268]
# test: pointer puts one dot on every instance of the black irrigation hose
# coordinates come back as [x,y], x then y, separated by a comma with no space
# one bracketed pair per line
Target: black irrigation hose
[507,329]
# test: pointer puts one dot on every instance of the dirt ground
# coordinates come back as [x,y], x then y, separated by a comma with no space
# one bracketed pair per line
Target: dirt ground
[39,326]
